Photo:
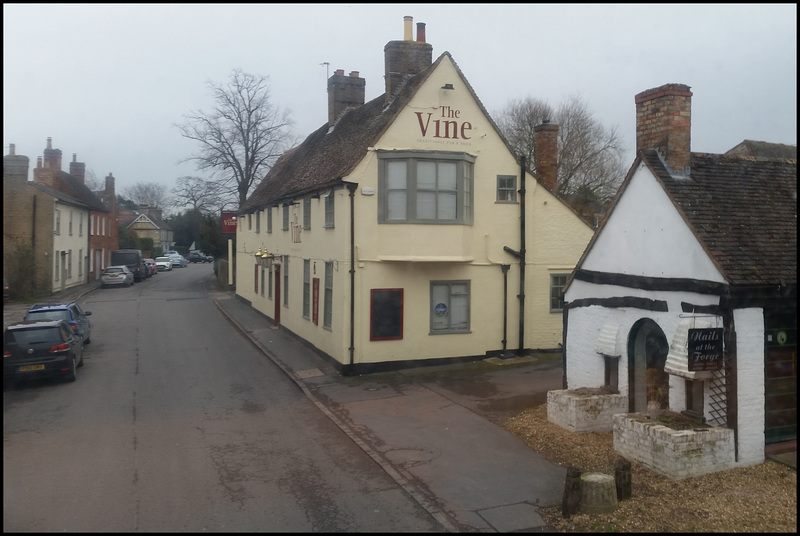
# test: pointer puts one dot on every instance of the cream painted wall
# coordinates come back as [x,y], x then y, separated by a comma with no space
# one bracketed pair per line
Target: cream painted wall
[74,242]
[410,256]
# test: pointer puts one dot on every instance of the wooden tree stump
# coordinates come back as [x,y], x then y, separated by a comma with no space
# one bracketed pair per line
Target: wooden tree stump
[622,478]
[598,493]
[571,501]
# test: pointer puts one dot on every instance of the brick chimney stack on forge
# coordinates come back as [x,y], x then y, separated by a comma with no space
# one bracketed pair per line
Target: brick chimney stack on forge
[406,58]
[48,167]
[77,169]
[664,122]
[52,157]
[545,154]
[344,92]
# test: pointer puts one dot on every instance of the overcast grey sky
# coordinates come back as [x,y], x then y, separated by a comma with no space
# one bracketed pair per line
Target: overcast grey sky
[108,82]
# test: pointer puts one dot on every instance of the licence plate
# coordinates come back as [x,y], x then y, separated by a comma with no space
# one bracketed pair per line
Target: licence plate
[29,368]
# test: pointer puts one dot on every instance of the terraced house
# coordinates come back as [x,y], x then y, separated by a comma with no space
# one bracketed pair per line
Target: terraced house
[405,230]
[57,233]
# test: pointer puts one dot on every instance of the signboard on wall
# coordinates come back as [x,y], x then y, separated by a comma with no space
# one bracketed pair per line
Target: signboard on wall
[229,223]
[705,349]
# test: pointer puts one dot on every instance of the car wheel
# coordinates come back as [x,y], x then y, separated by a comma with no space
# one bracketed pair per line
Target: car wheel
[72,375]
[80,363]
[87,340]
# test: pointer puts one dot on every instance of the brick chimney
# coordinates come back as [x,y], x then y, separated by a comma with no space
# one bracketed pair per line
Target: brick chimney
[110,194]
[664,122]
[52,157]
[344,92]
[406,58]
[545,154]
[77,169]
[48,167]
[15,167]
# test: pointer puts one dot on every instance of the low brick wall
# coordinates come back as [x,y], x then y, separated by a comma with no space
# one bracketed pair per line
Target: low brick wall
[676,454]
[584,413]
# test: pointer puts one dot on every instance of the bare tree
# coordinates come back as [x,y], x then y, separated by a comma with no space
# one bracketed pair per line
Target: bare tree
[242,136]
[92,182]
[590,167]
[201,195]
[151,193]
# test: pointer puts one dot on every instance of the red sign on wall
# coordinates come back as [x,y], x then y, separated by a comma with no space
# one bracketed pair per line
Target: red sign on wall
[229,223]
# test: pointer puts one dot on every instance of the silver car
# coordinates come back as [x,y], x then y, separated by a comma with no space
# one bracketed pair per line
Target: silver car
[116,275]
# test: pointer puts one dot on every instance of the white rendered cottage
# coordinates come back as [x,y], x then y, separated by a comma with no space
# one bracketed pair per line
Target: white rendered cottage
[686,297]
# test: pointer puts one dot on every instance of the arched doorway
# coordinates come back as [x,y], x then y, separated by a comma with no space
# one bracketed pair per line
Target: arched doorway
[648,383]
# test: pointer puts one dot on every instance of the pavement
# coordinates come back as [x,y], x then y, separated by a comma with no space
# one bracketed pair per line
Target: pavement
[435,430]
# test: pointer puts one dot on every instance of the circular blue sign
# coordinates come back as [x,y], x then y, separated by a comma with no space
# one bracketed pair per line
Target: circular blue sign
[440,309]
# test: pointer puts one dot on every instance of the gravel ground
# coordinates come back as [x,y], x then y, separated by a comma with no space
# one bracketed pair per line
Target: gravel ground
[762,498]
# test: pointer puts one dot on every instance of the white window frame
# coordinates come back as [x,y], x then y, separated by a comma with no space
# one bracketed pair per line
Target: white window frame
[450,307]
[506,188]
[327,308]
[557,282]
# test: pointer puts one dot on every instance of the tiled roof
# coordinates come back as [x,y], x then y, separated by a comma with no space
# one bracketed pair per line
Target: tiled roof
[328,155]
[764,149]
[743,210]
[77,189]
[61,196]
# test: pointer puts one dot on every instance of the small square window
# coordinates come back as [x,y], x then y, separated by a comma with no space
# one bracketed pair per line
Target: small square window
[506,189]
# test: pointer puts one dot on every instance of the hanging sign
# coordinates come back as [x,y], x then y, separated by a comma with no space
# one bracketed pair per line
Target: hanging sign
[705,349]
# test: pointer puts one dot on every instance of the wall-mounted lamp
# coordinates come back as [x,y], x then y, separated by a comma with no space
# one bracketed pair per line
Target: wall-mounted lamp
[448,86]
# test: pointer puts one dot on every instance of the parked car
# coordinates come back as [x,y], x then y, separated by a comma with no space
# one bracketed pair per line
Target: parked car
[164,264]
[196,256]
[151,264]
[178,261]
[71,312]
[40,349]
[116,275]
[133,259]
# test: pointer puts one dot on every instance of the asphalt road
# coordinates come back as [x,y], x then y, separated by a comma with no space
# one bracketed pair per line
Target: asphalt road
[178,423]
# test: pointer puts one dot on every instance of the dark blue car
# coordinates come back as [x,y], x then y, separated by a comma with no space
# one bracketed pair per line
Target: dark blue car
[77,318]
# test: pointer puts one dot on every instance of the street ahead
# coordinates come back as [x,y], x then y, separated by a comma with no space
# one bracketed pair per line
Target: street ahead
[178,423]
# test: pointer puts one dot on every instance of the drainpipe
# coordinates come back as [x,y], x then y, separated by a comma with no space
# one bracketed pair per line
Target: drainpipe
[504,268]
[352,189]
[521,256]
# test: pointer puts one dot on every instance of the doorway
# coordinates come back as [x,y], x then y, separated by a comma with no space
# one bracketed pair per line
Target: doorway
[648,383]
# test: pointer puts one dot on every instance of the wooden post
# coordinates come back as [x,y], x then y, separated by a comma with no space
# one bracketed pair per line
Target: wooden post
[622,479]
[572,492]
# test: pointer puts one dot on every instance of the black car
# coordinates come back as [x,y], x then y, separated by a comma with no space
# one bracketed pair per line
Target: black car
[41,349]
[76,317]
[196,256]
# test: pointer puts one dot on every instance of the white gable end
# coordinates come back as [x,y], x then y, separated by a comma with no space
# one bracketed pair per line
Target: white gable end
[646,236]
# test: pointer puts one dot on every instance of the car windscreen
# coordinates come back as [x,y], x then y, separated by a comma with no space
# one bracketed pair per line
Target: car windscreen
[113,270]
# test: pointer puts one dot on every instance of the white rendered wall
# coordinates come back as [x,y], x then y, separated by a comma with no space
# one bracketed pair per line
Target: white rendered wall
[750,384]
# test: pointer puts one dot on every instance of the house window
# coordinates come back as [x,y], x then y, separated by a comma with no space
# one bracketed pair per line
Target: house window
[450,306]
[269,282]
[611,373]
[58,222]
[258,221]
[80,262]
[506,189]
[694,398]
[557,282]
[70,223]
[307,213]
[285,270]
[69,265]
[327,313]
[58,268]
[306,288]
[329,210]
[386,314]
[263,277]
[269,219]
[249,222]
[425,187]
[80,224]
[104,226]
[285,217]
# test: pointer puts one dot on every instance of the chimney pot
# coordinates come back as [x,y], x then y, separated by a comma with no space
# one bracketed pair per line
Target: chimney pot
[420,32]
[11,147]
[408,28]
[354,74]
[338,72]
